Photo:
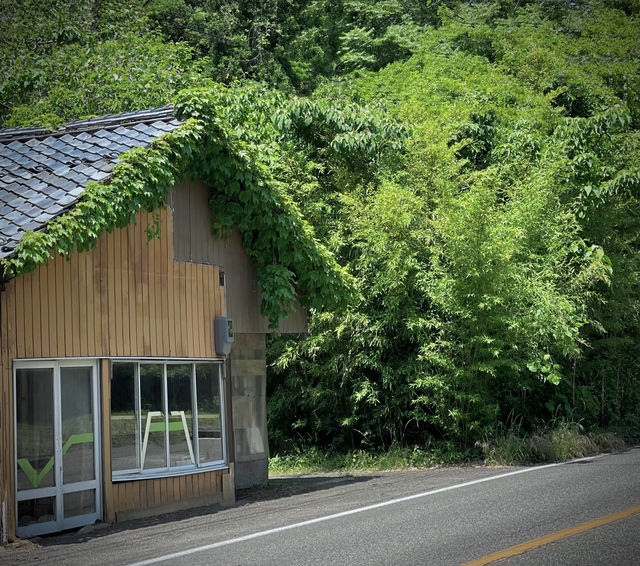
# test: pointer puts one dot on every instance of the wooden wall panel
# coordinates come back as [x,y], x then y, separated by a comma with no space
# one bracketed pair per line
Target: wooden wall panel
[125,292]
[127,297]
[194,242]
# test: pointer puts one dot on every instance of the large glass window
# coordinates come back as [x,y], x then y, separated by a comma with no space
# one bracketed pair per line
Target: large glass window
[165,416]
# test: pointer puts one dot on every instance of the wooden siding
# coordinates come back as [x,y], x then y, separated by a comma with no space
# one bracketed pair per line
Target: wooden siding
[194,242]
[127,297]
[133,499]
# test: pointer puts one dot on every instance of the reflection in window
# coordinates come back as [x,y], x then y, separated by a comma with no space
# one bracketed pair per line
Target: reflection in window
[76,394]
[209,418]
[34,422]
[40,510]
[165,416]
[125,450]
[180,415]
[154,451]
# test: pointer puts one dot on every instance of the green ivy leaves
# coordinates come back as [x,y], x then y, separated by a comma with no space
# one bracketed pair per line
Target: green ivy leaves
[231,140]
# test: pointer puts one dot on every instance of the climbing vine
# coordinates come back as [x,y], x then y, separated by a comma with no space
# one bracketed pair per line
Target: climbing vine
[231,139]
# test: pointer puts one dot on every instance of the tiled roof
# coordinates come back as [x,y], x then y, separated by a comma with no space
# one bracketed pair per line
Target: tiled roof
[44,173]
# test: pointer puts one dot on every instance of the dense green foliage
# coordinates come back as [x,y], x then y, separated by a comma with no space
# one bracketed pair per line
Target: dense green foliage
[485,259]
[490,246]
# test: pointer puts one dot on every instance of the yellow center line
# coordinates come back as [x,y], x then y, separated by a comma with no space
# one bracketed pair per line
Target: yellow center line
[564,533]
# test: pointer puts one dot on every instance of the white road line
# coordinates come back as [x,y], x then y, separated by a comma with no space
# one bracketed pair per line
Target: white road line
[350,512]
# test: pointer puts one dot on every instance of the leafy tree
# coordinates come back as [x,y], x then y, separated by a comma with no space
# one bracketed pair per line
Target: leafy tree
[492,258]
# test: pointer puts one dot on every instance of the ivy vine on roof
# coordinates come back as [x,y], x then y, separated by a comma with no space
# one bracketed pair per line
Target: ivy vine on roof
[233,139]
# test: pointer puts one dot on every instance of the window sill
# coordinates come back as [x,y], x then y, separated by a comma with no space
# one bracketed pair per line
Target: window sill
[175,472]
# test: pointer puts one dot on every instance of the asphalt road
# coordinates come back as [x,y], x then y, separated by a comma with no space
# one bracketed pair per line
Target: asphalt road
[587,510]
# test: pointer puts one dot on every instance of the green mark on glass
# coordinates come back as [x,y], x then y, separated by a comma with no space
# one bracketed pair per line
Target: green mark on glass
[36,478]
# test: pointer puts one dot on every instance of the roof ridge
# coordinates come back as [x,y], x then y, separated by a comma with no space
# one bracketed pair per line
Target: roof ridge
[106,122]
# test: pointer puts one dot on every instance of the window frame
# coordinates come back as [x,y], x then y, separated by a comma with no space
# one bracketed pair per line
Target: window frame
[168,470]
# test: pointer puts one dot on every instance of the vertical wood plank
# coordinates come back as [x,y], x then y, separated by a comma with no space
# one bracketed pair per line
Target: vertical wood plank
[51,306]
[144,255]
[171,287]
[126,292]
[135,233]
[155,283]
[82,306]
[28,315]
[194,314]
[37,315]
[142,494]
[44,310]
[184,339]
[189,315]
[19,321]
[208,314]
[91,305]
[200,310]
[150,494]
[122,495]
[60,292]
[157,492]
[111,289]
[74,304]
[118,313]
[109,503]
[185,490]
[174,488]
[128,495]
[104,295]
[164,490]
[219,297]
[151,305]
[131,286]
[66,286]
[164,299]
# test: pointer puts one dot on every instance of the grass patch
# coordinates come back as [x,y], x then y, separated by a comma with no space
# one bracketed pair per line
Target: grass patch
[562,442]
[397,457]
[556,443]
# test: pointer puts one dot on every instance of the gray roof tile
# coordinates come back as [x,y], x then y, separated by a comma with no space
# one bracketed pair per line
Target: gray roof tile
[67,200]
[31,225]
[43,218]
[21,220]
[10,230]
[43,173]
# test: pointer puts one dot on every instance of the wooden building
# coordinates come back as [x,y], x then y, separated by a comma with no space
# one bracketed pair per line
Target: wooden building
[114,400]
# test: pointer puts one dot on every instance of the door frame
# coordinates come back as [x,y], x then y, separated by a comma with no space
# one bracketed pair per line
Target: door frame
[58,489]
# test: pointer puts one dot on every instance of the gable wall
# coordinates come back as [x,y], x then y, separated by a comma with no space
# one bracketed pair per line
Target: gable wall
[193,241]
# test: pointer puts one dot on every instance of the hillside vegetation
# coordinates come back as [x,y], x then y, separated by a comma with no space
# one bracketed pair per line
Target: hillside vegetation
[472,165]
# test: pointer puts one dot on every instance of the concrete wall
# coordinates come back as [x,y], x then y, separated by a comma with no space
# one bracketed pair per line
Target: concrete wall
[249,397]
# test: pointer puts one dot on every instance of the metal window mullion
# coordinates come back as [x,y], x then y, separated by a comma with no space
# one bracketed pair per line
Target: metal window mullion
[194,415]
[223,421]
[165,406]
[97,436]
[57,441]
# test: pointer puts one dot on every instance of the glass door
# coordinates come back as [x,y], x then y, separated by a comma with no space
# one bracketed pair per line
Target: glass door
[57,465]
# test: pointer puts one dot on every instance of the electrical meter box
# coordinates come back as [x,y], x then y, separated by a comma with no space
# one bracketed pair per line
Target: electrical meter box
[223,331]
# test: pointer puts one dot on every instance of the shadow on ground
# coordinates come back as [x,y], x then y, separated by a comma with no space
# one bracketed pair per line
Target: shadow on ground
[275,488]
